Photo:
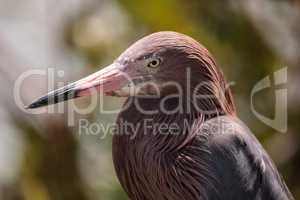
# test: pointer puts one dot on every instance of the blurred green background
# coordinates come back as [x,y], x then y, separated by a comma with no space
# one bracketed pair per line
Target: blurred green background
[42,158]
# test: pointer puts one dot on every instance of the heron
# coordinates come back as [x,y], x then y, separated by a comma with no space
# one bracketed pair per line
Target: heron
[193,146]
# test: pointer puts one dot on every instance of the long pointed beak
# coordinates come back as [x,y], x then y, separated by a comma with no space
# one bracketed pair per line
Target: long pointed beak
[107,80]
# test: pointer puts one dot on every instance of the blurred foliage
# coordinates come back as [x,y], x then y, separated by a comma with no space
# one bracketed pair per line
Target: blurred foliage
[57,163]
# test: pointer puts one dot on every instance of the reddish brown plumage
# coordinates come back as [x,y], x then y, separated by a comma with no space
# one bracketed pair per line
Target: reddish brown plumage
[148,165]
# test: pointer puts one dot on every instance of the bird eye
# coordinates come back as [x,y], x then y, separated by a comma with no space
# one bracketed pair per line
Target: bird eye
[154,63]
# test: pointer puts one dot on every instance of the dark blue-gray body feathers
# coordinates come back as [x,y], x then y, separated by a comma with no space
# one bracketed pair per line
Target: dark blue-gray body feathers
[240,164]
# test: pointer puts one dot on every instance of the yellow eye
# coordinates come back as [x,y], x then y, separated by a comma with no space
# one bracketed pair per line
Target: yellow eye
[154,63]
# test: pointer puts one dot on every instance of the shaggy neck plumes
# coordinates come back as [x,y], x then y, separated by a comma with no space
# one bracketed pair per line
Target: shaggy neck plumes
[165,124]
[153,150]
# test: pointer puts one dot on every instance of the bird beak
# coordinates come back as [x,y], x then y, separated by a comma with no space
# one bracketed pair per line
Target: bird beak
[107,80]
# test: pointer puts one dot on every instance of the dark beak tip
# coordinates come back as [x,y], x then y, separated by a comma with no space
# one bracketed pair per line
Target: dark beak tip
[43,101]
[31,106]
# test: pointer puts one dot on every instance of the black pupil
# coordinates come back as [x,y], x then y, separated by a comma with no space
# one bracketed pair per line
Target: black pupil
[154,62]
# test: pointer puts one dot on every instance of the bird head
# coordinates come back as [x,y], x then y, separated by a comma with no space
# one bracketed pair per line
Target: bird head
[163,63]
